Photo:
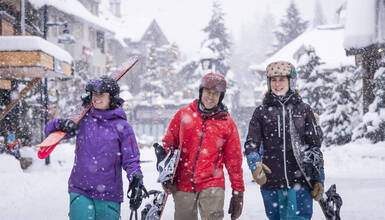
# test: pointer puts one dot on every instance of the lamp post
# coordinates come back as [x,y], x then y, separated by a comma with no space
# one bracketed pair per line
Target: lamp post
[65,38]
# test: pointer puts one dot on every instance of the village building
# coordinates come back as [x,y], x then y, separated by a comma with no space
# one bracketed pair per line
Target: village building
[364,40]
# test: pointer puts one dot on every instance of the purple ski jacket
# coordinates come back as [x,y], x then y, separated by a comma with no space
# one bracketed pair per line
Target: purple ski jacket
[105,143]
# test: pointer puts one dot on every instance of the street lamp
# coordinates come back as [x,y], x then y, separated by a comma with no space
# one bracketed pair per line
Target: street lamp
[65,38]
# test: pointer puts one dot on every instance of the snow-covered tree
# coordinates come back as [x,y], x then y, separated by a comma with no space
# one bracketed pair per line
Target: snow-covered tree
[159,78]
[373,123]
[314,84]
[253,43]
[290,27]
[217,39]
[341,110]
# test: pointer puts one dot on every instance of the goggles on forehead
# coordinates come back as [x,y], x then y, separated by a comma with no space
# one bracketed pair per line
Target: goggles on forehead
[96,85]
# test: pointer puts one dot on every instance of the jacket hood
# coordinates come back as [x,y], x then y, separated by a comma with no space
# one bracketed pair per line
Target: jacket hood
[271,100]
[219,114]
[117,113]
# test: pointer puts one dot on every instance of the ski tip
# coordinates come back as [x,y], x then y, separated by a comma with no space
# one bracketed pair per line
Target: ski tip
[45,151]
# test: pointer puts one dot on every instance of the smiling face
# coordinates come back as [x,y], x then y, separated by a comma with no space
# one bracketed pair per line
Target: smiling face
[101,100]
[210,98]
[279,85]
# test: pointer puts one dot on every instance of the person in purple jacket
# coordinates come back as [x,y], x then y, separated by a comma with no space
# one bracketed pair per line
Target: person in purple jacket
[105,143]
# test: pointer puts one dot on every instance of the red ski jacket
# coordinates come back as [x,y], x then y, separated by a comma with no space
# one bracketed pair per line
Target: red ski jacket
[206,142]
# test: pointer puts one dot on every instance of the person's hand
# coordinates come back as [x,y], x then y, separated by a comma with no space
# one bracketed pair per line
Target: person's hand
[169,187]
[68,126]
[316,192]
[135,191]
[253,158]
[236,205]
[259,174]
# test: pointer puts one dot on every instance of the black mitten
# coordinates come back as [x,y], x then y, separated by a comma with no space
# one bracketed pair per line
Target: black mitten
[135,191]
[68,126]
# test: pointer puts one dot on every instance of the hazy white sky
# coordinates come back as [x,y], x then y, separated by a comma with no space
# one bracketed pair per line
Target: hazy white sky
[183,20]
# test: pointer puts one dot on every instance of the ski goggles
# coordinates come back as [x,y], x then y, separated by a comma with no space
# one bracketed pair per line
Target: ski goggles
[96,85]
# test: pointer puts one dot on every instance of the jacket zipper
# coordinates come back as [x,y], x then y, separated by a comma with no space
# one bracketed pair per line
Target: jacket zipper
[284,142]
[196,158]
[216,161]
[115,168]
[279,126]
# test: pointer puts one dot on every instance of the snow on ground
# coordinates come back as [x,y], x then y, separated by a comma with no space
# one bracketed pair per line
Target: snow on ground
[40,192]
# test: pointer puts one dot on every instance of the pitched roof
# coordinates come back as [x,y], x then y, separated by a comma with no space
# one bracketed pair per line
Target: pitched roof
[327,41]
[154,29]
[74,8]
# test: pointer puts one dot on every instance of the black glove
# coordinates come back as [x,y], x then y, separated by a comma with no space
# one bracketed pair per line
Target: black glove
[137,189]
[68,126]
[169,187]
[236,205]
[86,99]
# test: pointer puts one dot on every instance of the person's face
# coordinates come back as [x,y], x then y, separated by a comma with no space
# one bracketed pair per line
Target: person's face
[101,100]
[210,98]
[279,85]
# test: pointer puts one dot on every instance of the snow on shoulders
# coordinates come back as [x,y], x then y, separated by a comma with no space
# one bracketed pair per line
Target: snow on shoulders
[30,43]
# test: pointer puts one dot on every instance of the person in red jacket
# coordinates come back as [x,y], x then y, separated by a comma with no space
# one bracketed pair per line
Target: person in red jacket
[208,139]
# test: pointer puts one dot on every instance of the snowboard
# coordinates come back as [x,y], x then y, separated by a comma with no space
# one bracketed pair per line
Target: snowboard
[53,139]
[331,202]
[167,164]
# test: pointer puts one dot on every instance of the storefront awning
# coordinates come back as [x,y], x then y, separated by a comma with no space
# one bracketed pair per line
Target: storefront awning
[33,57]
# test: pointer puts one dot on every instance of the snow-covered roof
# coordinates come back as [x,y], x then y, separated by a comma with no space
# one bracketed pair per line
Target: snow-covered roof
[327,40]
[126,27]
[30,43]
[75,8]
[364,23]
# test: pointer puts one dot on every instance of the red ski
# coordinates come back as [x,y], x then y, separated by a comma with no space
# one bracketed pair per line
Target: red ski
[50,142]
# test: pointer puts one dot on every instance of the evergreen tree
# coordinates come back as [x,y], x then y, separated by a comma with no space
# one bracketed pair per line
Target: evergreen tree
[159,79]
[254,42]
[315,85]
[340,111]
[373,124]
[290,27]
[217,39]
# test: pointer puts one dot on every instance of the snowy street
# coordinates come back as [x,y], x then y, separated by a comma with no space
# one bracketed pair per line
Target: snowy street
[285,78]
[41,192]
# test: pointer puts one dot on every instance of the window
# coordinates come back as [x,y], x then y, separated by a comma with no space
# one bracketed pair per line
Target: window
[92,37]
[100,40]
[78,31]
